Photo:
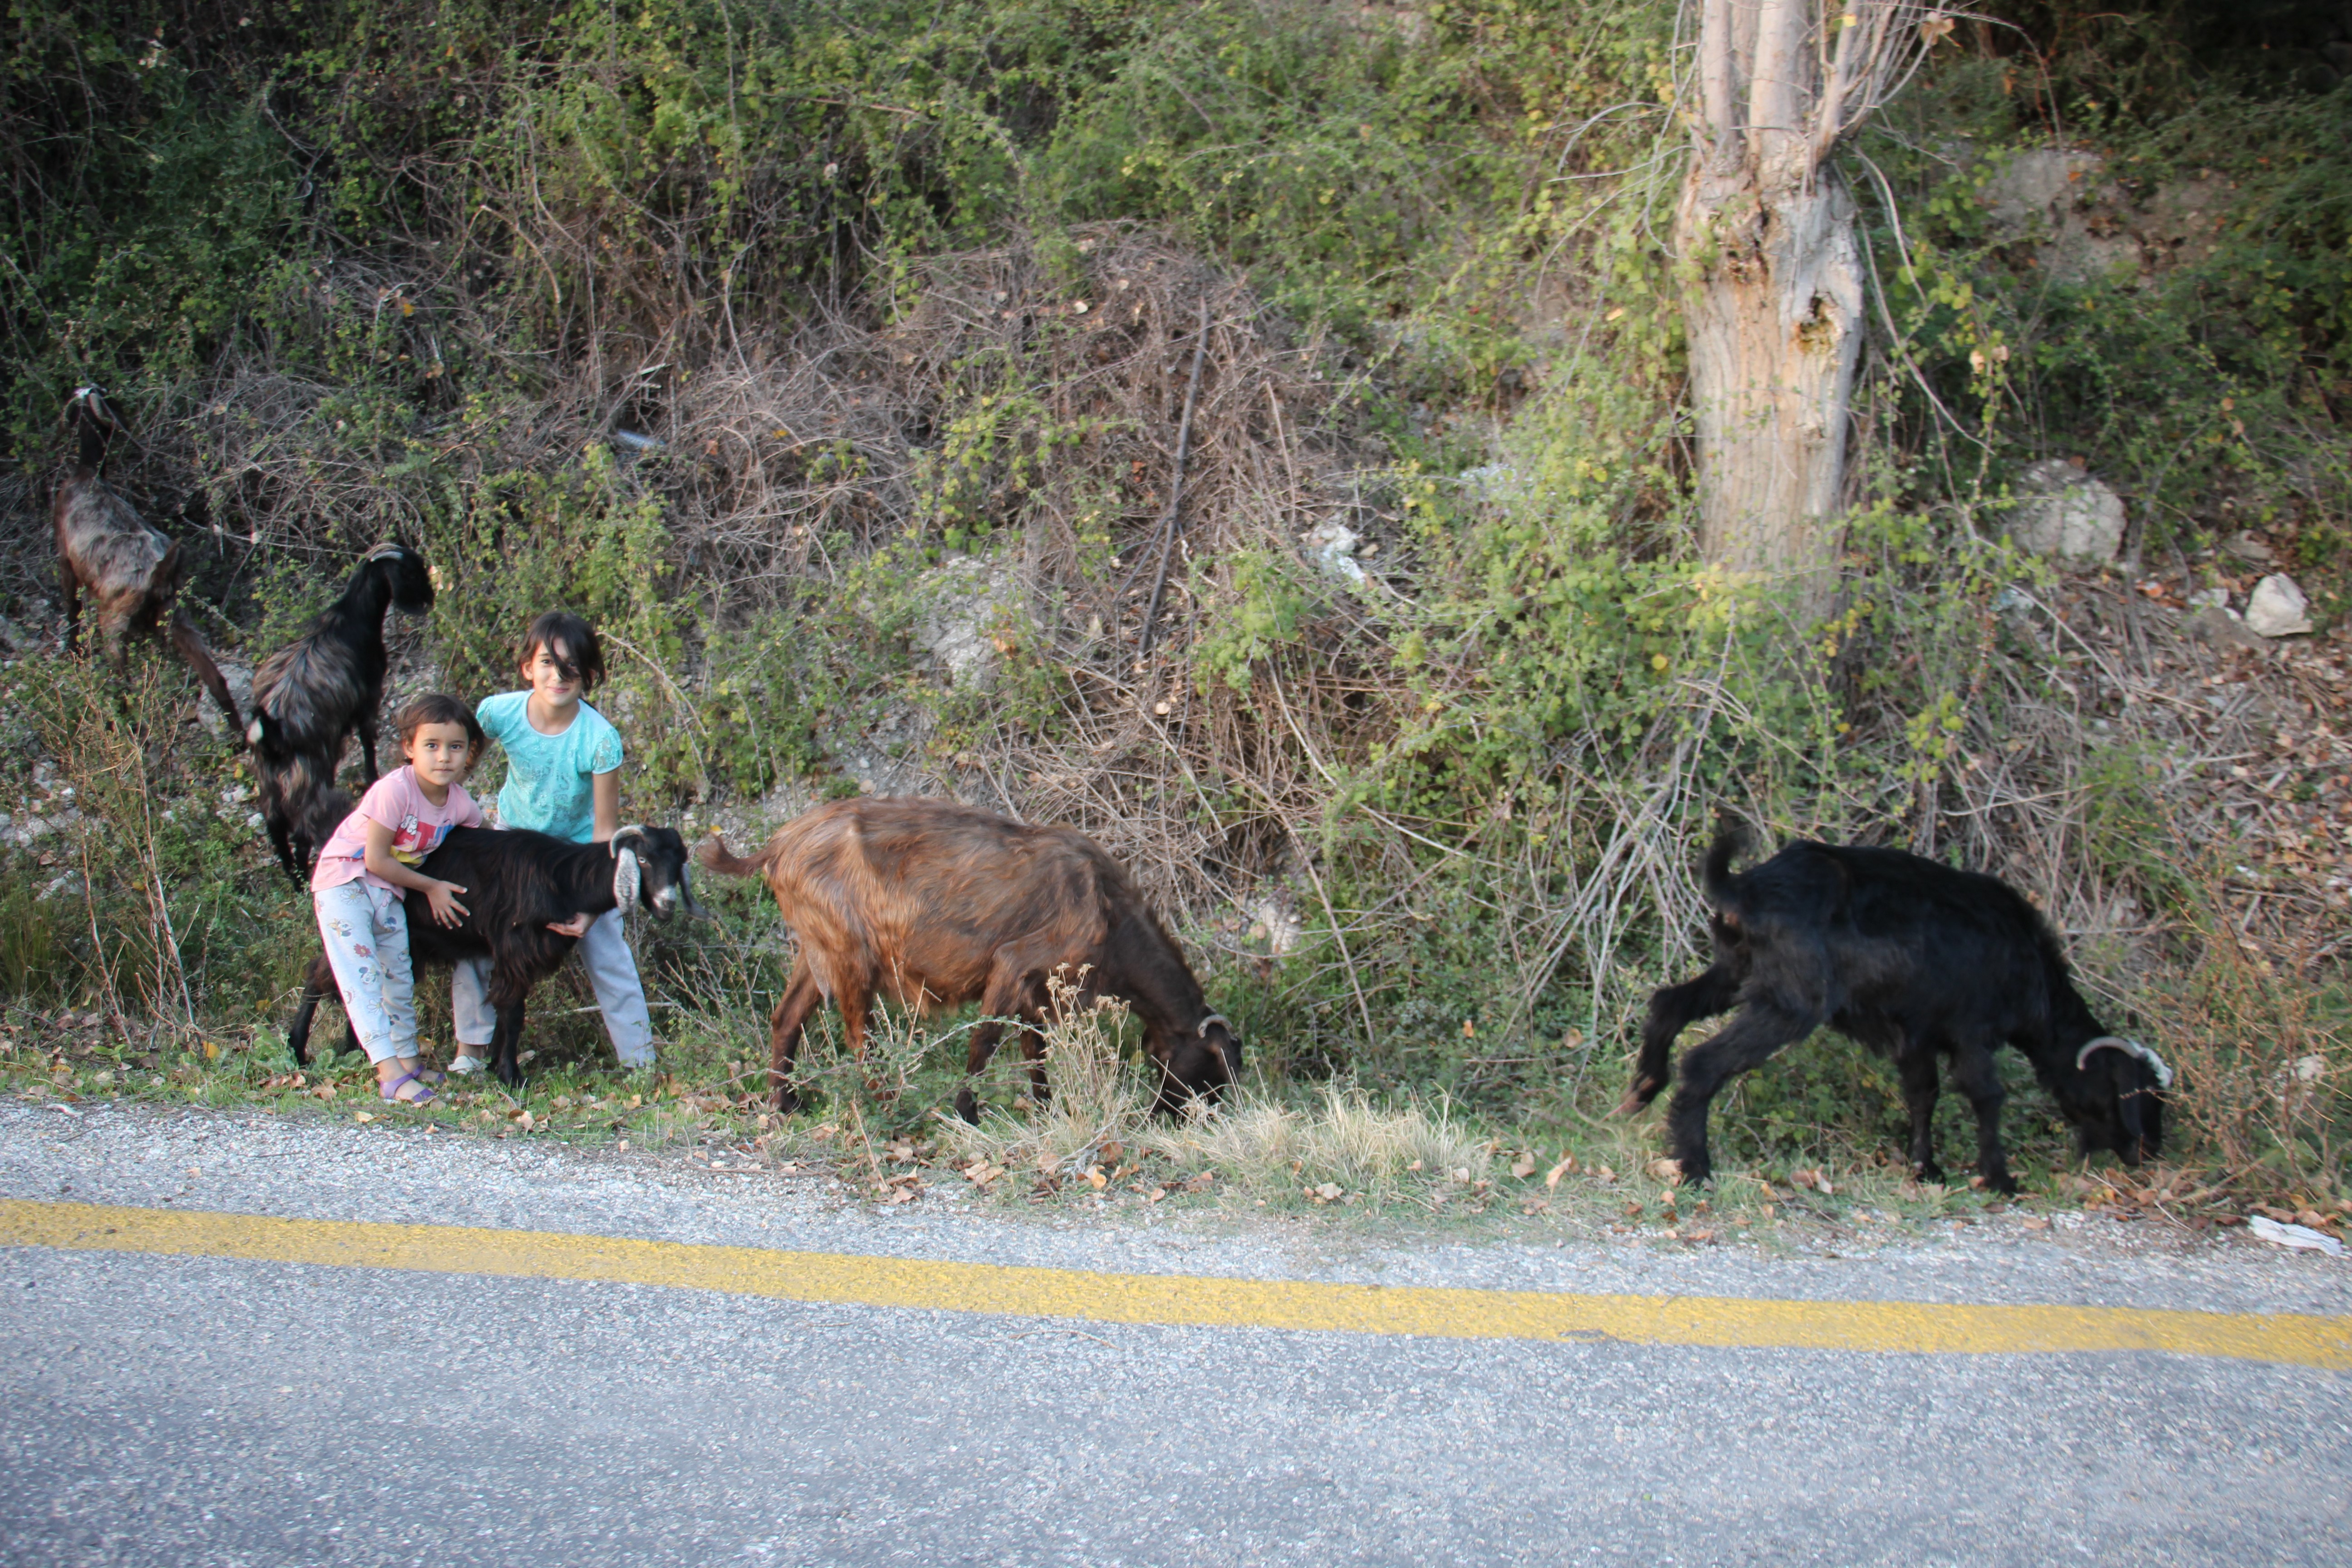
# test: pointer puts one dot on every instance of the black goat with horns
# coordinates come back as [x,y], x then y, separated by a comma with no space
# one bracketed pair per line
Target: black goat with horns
[517,883]
[315,692]
[1914,960]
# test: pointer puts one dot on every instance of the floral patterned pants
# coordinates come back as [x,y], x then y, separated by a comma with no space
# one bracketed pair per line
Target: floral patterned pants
[366,932]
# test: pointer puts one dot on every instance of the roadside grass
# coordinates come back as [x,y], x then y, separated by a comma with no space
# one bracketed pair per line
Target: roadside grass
[1332,1153]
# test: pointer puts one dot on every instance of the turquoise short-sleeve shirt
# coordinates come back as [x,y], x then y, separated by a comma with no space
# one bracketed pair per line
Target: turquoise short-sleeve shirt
[548,788]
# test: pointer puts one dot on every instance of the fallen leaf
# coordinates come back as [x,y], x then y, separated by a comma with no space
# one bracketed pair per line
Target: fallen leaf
[1328,1191]
[1666,1170]
[1524,1166]
[1552,1176]
[362,1116]
[2035,1222]
[1156,1193]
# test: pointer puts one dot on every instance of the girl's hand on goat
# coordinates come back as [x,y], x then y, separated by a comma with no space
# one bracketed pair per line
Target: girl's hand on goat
[576,926]
[443,896]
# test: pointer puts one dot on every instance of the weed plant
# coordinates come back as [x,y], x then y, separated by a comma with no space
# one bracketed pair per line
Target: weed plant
[761,335]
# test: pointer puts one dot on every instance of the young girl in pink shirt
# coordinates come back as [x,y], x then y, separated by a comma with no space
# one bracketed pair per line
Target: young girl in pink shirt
[368,861]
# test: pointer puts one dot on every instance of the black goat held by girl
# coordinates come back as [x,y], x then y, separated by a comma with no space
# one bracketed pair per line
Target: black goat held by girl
[312,693]
[132,572]
[515,883]
[1915,961]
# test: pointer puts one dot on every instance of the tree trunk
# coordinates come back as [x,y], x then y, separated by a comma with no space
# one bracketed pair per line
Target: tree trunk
[1774,322]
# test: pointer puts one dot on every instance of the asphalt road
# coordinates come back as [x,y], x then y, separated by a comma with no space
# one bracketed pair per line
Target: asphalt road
[158,1408]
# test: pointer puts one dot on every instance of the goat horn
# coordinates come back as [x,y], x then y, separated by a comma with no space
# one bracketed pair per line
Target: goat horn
[623,837]
[1202,1028]
[389,548]
[2130,1049]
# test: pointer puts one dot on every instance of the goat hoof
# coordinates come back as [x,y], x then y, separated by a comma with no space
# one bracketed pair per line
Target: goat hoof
[787,1102]
[1930,1172]
[2002,1183]
[968,1106]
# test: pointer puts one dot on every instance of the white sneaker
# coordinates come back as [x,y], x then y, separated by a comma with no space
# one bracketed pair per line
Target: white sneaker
[467,1065]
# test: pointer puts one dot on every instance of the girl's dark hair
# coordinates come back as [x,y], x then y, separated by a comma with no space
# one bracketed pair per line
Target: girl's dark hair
[569,641]
[439,708]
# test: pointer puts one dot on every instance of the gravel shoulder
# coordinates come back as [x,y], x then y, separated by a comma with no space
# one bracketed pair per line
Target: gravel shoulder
[252,1162]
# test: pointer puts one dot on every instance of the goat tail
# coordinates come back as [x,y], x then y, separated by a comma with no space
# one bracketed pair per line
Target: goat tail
[713,855]
[1722,886]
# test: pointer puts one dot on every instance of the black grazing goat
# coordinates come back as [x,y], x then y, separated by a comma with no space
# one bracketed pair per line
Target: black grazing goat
[311,694]
[132,572]
[1914,960]
[516,882]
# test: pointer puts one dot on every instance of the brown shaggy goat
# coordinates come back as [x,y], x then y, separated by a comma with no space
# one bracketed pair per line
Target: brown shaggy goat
[131,571]
[939,904]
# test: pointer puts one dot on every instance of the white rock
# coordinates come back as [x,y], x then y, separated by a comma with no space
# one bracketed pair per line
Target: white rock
[2065,512]
[2045,196]
[1332,547]
[2277,609]
[1273,920]
[969,601]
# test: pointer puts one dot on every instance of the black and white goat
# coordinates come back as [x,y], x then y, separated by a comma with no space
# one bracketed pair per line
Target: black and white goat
[515,883]
[1915,961]
[313,692]
[132,572]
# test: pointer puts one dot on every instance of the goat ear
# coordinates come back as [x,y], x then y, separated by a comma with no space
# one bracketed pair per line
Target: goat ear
[627,878]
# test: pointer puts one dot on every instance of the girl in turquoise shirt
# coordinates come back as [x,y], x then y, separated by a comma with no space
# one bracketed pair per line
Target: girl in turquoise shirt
[563,777]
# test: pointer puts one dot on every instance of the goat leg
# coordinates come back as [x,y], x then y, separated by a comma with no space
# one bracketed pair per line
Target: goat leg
[190,646]
[1033,1051]
[1007,995]
[799,999]
[317,982]
[1673,1009]
[1976,1074]
[504,1040]
[1761,1028]
[282,842]
[983,1046]
[367,745]
[1917,1063]
[69,589]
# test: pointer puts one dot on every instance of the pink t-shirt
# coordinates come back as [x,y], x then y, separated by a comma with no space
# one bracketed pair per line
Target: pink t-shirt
[417,828]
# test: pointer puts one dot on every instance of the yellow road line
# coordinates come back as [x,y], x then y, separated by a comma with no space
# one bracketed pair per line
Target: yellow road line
[1192,1299]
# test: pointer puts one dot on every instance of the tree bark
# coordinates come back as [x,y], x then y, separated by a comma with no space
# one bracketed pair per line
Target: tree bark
[1774,319]
[1774,301]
